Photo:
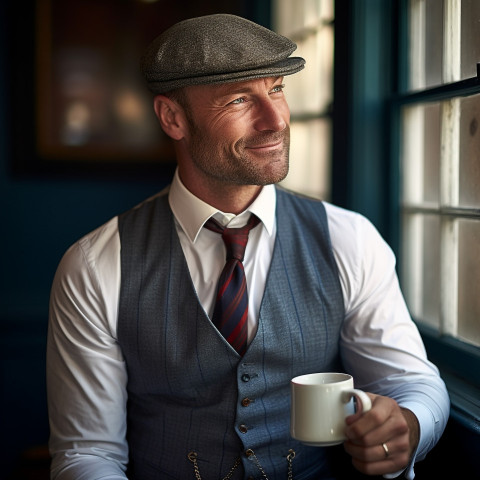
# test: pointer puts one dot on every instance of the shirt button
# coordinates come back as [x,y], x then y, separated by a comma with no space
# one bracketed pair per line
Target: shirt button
[246,402]
[243,428]
[245,377]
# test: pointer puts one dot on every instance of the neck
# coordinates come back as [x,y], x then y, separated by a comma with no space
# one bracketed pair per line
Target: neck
[234,200]
[229,199]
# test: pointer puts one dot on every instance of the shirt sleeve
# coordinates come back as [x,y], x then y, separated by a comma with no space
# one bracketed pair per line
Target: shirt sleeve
[380,344]
[86,374]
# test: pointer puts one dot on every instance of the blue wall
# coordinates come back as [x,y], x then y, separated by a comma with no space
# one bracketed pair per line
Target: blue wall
[39,218]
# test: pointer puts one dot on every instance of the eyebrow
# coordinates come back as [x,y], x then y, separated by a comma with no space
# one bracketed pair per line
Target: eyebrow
[239,88]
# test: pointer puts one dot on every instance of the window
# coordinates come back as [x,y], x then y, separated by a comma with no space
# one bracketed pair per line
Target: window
[309,23]
[439,112]
[441,169]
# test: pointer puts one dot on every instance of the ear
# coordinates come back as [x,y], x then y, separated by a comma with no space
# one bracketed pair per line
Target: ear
[170,116]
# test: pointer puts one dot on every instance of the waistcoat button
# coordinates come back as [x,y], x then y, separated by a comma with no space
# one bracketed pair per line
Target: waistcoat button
[246,402]
[245,377]
[243,428]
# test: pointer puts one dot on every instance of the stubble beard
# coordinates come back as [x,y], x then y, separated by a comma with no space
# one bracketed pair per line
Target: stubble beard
[237,165]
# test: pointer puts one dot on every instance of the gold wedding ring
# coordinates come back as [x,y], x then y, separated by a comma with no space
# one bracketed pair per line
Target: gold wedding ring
[387,453]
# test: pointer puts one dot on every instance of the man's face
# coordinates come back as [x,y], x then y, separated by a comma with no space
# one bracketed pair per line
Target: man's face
[239,132]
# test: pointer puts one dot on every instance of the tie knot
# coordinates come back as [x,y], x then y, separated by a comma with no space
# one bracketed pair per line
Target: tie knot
[235,239]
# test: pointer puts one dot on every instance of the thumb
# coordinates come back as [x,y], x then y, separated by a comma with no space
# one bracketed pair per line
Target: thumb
[359,410]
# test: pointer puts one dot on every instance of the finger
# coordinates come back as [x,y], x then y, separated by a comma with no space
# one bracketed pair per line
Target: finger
[382,467]
[376,468]
[375,425]
[381,458]
[375,432]
[352,418]
[378,452]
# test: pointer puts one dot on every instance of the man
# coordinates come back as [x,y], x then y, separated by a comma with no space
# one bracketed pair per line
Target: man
[144,382]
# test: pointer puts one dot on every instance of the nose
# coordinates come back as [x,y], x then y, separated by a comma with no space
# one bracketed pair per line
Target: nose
[272,115]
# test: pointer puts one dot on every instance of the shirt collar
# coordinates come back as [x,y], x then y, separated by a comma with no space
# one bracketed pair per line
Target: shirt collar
[191,212]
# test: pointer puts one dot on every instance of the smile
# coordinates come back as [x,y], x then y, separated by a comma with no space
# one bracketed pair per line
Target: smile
[267,146]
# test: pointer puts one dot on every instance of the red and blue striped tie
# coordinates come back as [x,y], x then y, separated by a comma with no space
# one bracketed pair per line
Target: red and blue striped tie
[231,304]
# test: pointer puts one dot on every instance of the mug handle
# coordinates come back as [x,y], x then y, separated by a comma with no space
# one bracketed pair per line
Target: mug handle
[365,401]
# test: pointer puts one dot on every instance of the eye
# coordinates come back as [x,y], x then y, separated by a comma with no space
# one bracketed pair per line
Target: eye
[237,101]
[278,88]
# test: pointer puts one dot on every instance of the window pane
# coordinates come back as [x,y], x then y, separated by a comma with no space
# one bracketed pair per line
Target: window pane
[421,266]
[440,165]
[469,281]
[470,152]
[470,38]
[311,90]
[433,42]
[426,43]
[309,23]
[421,154]
[310,158]
[293,17]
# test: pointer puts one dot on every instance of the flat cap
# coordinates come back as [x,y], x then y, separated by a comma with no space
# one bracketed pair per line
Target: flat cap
[216,48]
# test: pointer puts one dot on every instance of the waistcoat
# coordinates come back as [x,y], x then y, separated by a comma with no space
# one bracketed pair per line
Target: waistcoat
[188,390]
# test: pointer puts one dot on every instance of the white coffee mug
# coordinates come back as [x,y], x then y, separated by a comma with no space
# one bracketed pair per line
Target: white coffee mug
[320,404]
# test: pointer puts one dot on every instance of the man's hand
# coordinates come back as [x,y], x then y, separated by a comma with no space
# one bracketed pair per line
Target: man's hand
[383,439]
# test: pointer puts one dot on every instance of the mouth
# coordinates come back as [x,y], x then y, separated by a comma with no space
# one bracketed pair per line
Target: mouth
[266,147]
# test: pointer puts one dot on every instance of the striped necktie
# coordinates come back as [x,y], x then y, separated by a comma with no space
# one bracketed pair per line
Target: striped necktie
[231,304]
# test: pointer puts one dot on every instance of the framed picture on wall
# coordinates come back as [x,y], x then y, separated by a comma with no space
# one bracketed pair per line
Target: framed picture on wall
[79,101]
[92,104]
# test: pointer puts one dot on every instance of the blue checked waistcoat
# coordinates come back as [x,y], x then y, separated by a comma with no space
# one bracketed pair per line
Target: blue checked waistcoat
[188,390]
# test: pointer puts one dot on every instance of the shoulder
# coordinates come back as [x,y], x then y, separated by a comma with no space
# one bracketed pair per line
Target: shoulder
[144,212]
[95,252]
[348,228]
[306,210]
[361,253]
[86,284]
[293,197]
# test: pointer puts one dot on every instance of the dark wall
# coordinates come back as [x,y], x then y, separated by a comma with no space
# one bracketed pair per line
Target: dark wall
[43,210]
[41,214]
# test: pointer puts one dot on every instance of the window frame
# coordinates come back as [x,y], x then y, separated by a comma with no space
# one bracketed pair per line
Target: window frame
[371,76]
[458,362]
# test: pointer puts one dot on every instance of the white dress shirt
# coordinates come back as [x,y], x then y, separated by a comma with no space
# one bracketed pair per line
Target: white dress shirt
[205,250]
[86,374]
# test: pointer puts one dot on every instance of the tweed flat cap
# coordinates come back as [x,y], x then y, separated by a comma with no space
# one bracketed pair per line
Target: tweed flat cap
[214,49]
